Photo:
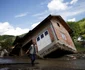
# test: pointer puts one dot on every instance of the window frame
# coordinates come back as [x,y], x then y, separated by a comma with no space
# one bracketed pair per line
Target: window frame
[38,38]
[46,33]
[58,24]
[42,36]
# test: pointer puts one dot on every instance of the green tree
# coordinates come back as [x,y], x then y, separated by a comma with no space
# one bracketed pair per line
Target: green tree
[7,43]
[76,29]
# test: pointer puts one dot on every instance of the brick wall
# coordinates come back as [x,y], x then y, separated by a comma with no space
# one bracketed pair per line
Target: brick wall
[60,30]
[51,34]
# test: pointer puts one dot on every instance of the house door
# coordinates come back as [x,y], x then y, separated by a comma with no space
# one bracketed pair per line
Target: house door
[43,40]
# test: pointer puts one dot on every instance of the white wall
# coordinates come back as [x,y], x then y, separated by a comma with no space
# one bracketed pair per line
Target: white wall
[43,40]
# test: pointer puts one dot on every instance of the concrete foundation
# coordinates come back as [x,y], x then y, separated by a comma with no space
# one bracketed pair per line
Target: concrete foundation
[56,49]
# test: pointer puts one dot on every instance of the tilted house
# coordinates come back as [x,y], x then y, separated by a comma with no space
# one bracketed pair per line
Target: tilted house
[52,36]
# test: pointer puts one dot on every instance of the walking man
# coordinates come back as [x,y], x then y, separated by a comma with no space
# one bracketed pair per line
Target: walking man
[32,51]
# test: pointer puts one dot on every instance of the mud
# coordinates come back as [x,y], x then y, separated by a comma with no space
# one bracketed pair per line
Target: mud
[63,63]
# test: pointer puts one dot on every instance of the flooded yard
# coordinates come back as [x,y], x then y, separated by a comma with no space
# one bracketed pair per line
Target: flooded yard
[42,64]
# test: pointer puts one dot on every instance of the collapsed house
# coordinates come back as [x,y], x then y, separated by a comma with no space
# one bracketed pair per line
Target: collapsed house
[52,37]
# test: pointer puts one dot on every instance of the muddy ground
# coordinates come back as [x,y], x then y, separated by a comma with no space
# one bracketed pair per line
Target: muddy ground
[68,62]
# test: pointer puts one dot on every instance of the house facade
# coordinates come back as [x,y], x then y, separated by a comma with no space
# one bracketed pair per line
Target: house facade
[51,35]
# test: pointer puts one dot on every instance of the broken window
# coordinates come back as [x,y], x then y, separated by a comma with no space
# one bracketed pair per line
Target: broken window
[46,33]
[38,38]
[58,24]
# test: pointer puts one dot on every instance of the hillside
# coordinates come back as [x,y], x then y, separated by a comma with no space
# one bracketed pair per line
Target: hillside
[78,30]
[6,41]
[82,27]
[77,27]
[4,37]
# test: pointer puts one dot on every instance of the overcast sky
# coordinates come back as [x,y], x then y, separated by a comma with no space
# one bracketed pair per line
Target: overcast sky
[19,16]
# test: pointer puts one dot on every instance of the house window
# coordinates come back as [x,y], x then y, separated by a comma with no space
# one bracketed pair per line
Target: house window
[42,36]
[38,38]
[46,33]
[58,24]
[63,36]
